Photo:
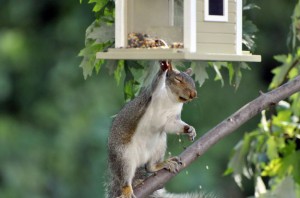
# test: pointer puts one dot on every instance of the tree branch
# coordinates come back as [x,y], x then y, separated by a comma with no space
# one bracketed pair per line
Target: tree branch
[226,127]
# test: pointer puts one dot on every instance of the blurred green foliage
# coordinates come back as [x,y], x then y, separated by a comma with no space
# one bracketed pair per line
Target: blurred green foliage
[54,124]
[270,153]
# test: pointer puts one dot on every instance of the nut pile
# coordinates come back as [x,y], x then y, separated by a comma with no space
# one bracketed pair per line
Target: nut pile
[177,45]
[140,40]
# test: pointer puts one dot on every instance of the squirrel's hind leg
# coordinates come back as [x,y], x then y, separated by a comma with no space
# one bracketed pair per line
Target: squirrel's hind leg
[124,170]
[172,164]
[127,192]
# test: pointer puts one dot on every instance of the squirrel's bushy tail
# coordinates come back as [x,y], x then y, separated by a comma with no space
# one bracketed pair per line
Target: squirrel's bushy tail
[111,187]
[162,193]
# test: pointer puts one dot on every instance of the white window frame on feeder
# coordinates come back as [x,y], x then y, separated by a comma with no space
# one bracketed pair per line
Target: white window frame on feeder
[216,18]
[190,23]
[239,27]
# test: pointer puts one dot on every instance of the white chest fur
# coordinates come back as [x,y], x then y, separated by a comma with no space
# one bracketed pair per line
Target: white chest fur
[149,140]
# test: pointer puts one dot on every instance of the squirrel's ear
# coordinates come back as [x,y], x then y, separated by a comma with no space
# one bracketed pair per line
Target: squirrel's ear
[165,65]
[189,71]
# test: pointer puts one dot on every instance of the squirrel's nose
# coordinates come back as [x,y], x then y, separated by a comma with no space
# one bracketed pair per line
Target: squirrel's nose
[193,94]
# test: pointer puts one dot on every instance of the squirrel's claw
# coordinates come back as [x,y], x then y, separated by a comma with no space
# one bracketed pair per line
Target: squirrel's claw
[190,131]
[165,65]
[173,164]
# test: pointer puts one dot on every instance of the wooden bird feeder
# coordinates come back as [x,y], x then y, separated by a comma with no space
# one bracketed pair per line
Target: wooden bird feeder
[209,30]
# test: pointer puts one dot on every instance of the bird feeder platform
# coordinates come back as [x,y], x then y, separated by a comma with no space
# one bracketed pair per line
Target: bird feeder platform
[208,30]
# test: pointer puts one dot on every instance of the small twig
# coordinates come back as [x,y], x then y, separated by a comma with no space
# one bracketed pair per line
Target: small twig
[228,126]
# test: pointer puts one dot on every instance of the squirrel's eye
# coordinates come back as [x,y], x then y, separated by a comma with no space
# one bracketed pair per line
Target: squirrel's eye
[178,79]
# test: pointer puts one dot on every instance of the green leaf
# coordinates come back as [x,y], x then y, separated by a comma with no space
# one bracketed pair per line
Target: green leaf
[129,89]
[295,33]
[293,73]
[286,166]
[228,171]
[91,50]
[131,85]
[237,163]
[248,41]
[272,152]
[281,58]
[282,116]
[218,76]
[97,7]
[250,6]
[272,168]
[99,4]
[288,148]
[238,75]
[87,64]
[89,60]
[99,36]
[249,30]
[291,166]
[100,32]
[295,106]
[281,72]
[199,70]
[118,71]
[98,64]
[230,72]
[238,160]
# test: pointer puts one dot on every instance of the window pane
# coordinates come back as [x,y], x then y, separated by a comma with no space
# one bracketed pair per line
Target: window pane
[216,7]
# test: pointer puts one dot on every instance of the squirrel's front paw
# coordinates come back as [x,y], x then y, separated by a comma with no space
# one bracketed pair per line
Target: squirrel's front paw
[190,131]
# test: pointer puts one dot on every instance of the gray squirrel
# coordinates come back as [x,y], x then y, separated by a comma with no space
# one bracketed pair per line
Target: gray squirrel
[139,131]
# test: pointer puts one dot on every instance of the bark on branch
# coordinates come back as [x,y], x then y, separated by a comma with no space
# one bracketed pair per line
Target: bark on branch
[226,127]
